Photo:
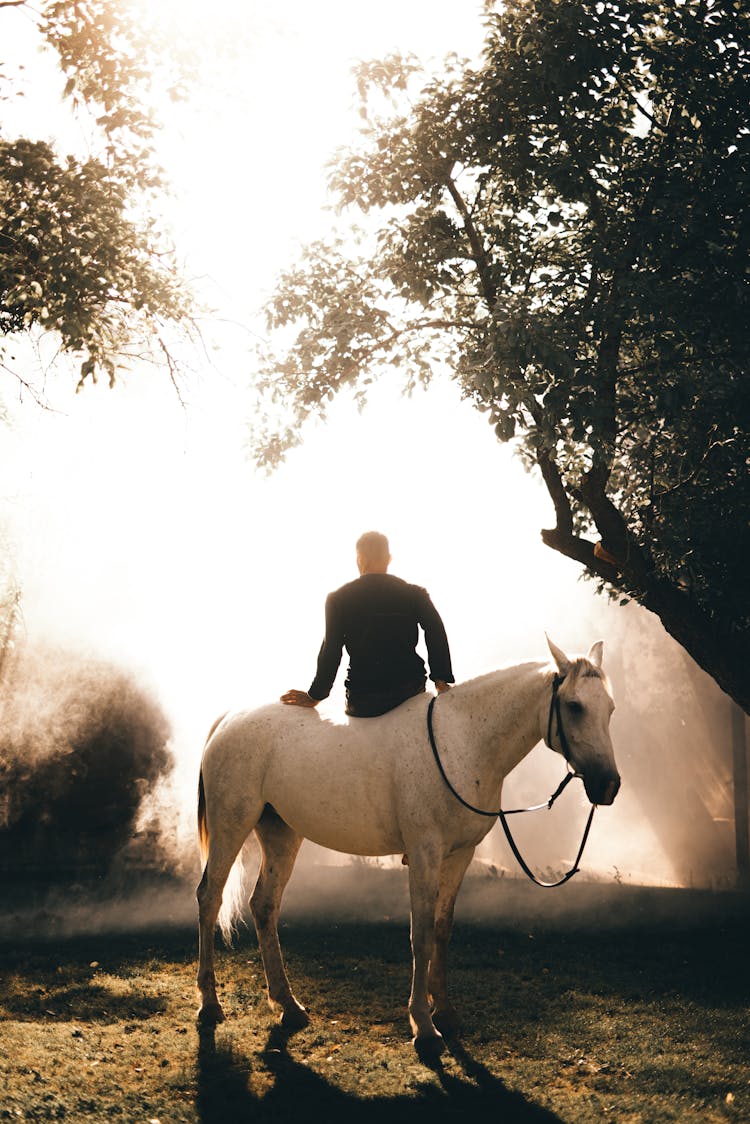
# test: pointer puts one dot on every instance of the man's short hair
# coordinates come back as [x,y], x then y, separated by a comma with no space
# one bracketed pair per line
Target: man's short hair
[373,547]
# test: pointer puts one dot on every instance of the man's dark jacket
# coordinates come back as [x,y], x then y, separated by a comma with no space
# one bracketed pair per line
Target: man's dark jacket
[377,618]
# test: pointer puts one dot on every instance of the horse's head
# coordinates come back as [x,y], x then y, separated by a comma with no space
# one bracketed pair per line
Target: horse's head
[577,723]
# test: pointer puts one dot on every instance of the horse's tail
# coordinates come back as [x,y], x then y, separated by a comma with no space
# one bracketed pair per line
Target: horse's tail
[203,836]
[233,894]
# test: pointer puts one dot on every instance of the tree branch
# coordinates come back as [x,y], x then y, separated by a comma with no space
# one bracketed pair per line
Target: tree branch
[580,550]
[366,351]
[478,252]
[556,488]
[631,96]
[173,368]
[691,475]
[37,396]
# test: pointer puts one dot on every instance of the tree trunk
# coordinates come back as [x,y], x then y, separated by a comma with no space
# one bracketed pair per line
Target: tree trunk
[739,776]
[725,658]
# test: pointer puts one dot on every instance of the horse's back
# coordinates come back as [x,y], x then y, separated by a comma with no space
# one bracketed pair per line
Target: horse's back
[292,731]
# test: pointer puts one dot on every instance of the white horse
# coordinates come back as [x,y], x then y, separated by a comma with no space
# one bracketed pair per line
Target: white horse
[372,787]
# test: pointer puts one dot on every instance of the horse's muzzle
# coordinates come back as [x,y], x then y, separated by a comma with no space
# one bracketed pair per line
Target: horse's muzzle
[602,789]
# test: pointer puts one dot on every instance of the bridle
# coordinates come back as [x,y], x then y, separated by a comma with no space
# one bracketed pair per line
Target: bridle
[554,710]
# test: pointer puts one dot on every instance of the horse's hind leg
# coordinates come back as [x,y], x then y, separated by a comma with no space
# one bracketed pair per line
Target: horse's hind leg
[451,875]
[224,847]
[279,847]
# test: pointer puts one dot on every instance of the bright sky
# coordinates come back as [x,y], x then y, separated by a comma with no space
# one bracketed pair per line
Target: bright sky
[141,530]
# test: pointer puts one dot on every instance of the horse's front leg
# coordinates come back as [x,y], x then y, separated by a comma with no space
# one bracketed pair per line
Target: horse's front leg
[451,876]
[424,878]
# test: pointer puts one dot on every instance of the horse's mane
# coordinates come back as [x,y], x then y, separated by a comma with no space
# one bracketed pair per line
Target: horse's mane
[500,673]
[580,668]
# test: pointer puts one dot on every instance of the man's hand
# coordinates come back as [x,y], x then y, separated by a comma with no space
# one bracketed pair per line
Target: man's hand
[441,685]
[298,698]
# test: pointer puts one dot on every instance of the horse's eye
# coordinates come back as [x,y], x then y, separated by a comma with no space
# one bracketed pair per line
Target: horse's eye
[575,707]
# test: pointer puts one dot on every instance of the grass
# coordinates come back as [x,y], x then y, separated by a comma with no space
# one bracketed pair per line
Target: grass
[645,1023]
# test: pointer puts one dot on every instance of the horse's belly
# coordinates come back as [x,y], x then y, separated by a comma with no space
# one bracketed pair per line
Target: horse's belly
[352,828]
[345,809]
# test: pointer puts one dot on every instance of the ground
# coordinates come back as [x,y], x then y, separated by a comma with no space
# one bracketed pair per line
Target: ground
[631,1007]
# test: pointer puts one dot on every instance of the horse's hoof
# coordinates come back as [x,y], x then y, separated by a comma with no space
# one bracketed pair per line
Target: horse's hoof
[295,1018]
[429,1047]
[210,1014]
[447,1022]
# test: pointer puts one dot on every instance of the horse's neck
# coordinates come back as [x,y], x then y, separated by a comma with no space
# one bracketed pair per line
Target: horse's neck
[500,717]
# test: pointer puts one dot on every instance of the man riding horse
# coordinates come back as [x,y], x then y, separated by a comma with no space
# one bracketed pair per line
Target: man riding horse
[377,618]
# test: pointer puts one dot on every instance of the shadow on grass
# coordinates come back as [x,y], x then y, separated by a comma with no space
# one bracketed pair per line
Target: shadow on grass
[87,1002]
[299,1093]
[705,962]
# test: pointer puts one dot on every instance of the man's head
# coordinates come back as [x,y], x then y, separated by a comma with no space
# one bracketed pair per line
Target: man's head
[373,553]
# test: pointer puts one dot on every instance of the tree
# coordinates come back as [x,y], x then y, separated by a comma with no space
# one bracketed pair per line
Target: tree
[83,254]
[565,227]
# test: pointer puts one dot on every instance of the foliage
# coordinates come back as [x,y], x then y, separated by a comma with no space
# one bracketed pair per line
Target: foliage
[564,226]
[83,253]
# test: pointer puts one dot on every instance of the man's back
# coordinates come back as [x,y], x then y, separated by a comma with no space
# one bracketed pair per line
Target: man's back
[376,618]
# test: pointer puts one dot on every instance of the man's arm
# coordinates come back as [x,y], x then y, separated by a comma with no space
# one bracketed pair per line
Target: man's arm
[329,659]
[438,652]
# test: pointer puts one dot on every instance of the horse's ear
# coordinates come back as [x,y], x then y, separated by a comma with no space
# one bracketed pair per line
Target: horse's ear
[595,653]
[562,661]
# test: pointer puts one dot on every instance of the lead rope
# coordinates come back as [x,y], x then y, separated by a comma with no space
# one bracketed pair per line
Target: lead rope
[554,706]
[519,857]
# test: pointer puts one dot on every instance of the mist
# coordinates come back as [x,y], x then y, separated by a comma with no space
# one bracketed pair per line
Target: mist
[157,593]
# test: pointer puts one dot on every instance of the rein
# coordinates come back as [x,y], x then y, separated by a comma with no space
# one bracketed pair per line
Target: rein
[554,709]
